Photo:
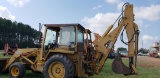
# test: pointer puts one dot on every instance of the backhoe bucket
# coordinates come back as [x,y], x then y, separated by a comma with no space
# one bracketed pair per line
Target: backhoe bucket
[119,67]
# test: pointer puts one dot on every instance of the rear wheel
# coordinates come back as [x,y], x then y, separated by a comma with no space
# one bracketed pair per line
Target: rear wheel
[59,66]
[17,70]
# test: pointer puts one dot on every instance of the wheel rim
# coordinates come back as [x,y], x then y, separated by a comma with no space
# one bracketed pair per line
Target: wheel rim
[14,71]
[56,70]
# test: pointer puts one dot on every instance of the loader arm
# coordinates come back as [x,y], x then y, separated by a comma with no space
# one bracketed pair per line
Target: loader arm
[104,43]
[18,54]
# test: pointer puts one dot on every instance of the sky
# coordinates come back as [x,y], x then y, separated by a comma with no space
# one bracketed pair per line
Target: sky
[95,15]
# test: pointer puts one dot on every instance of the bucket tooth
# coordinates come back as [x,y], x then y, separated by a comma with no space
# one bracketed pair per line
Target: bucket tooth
[119,67]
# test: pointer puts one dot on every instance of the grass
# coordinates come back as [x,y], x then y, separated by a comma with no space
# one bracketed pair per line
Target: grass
[143,72]
[2,56]
[28,74]
[151,72]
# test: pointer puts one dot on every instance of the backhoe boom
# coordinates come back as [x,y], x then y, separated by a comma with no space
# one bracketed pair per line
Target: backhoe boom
[103,44]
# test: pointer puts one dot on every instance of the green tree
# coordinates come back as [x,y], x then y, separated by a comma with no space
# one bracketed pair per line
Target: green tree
[14,32]
[121,49]
[143,50]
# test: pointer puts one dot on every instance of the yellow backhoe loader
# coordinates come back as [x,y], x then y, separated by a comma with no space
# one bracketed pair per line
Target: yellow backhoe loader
[67,50]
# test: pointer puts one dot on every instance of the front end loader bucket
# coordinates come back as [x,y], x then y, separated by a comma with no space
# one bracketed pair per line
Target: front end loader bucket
[119,67]
[3,63]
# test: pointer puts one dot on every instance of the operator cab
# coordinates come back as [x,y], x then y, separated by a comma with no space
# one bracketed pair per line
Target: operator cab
[63,36]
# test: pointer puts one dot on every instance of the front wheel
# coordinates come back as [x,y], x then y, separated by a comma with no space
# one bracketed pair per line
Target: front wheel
[59,66]
[17,70]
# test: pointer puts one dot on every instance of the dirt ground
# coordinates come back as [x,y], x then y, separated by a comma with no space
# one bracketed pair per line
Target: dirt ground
[146,61]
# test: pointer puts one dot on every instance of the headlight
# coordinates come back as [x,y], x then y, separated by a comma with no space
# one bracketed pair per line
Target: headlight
[158,53]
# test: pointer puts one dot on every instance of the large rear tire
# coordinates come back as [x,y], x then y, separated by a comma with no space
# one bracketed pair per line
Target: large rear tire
[59,66]
[17,70]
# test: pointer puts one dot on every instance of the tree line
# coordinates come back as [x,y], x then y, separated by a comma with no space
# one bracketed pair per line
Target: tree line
[143,50]
[17,33]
